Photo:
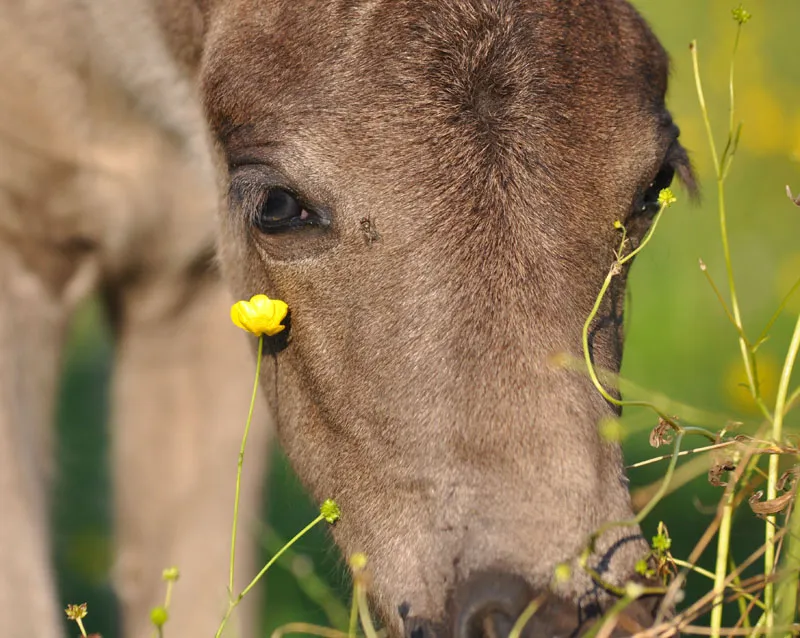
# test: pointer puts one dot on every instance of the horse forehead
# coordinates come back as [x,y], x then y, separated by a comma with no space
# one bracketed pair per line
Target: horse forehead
[473,52]
[484,88]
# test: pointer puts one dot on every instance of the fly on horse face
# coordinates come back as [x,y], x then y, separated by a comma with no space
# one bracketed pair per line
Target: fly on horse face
[431,186]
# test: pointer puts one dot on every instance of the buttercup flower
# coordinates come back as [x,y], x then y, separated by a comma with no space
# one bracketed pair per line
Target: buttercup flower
[666,198]
[260,316]
[76,612]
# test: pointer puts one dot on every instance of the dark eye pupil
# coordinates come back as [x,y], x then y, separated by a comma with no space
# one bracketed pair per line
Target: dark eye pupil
[280,207]
[282,212]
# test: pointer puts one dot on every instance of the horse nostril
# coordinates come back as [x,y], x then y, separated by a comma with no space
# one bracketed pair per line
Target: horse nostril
[488,605]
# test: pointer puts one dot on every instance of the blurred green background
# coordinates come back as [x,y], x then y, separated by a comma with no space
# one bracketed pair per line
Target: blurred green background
[679,341]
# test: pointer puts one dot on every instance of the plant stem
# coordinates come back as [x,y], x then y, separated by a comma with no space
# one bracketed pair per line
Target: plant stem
[636,520]
[711,576]
[610,615]
[787,593]
[596,308]
[748,357]
[312,585]
[308,630]
[351,633]
[772,480]
[526,615]
[703,109]
[363,611]
[240,464]
[272,560]
[721,571]
[233,602]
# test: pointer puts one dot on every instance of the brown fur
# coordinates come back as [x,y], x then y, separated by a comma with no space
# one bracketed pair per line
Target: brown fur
[491,145]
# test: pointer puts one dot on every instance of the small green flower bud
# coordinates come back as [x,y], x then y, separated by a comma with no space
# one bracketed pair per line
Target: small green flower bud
[170,574]
[741,15]
[562,573]
[358,562]
[330,511]
[159,616]
[661,543]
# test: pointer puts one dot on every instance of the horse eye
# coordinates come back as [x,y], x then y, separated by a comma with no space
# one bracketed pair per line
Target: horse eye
[281,211]
[649,202]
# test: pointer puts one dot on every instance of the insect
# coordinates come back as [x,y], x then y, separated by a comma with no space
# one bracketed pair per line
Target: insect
[369,230]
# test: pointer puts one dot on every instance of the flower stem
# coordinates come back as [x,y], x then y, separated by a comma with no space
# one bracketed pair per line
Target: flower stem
[721,571]
[363,611]
[241,463]
[351,633]
[272,560]
[233,602]
[772,480]
[748,358]
[526,615]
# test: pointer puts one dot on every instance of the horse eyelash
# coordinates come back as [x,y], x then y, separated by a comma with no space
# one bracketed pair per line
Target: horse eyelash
[678,159]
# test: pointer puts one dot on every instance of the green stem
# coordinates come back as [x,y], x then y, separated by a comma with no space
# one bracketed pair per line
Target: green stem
[613,271]
[363,612]
[787,593]
[611,614]
[308,630]
[730,149]
[744,347]
[747,356]
[636,520]
[711,576]
[703,109]
[764,333]
[795,396]
[272,560]
[351,633]
[647,237]
[312,585]
[241,463]
[233,602]
[81,627]
[772,479]
[721,570]
[526,615]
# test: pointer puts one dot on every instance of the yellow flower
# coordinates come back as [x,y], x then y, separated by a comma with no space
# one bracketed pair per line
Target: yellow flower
[260,316]
[666,198]
[76,612]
